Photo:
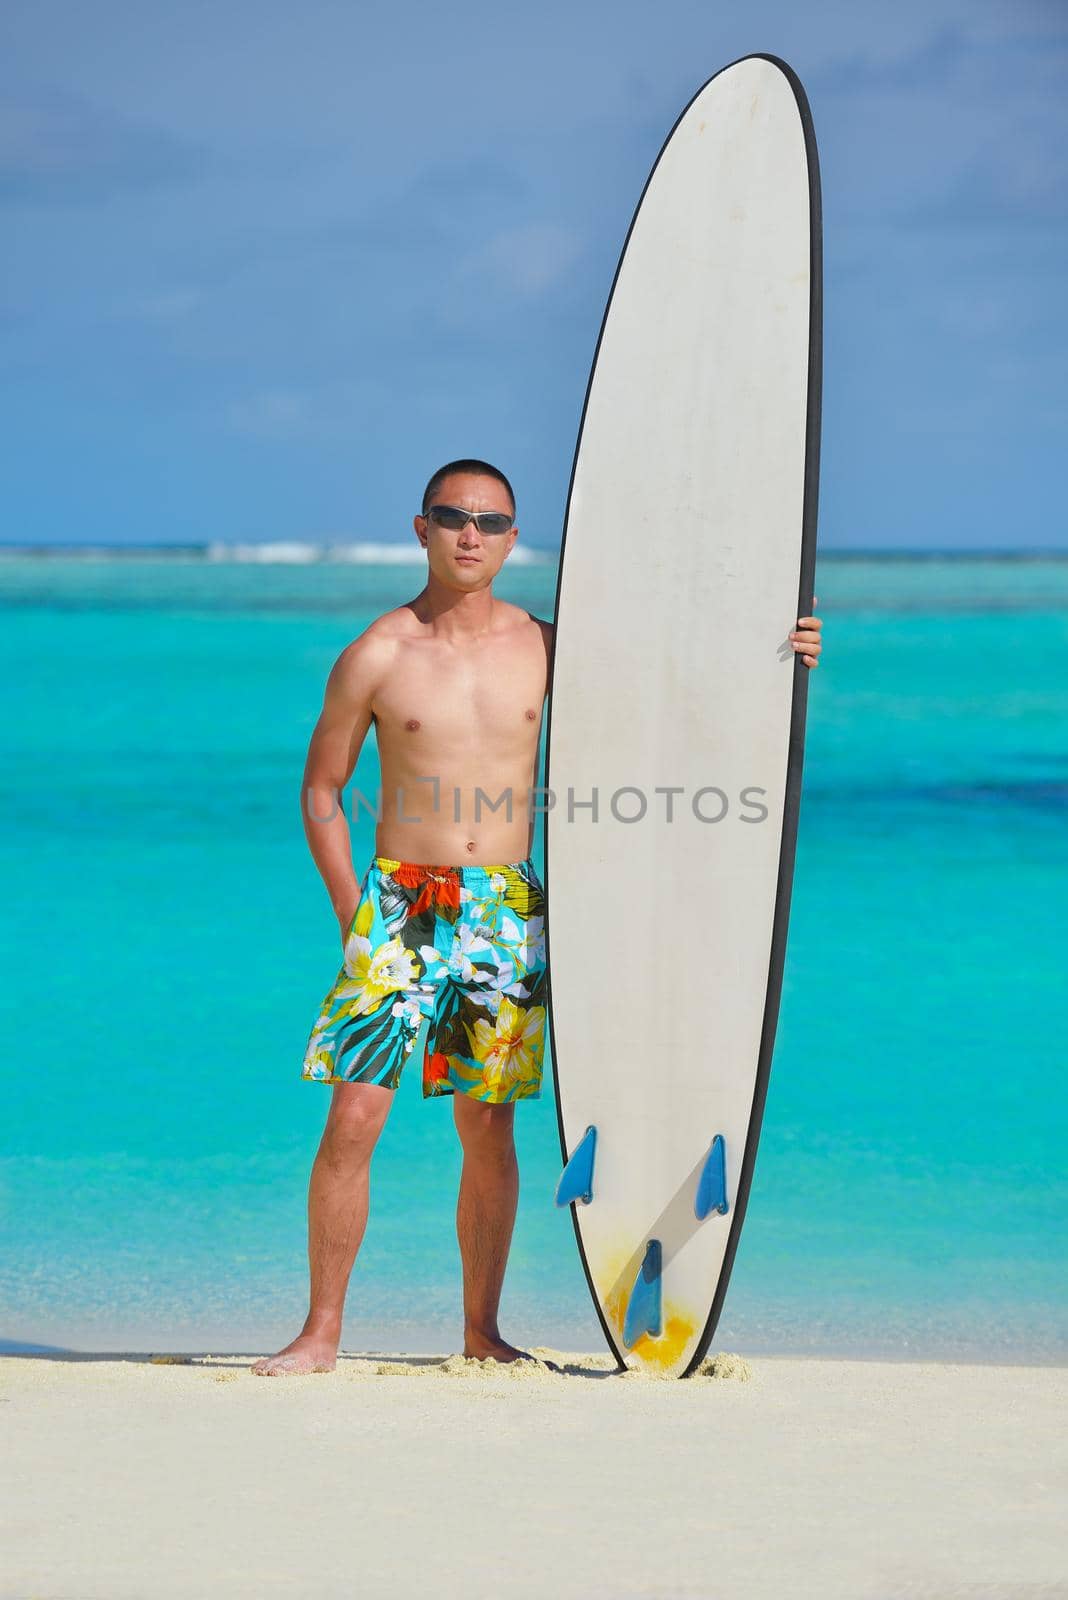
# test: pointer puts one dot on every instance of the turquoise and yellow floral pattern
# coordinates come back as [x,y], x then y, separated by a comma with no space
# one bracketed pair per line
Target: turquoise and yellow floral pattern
[461,948]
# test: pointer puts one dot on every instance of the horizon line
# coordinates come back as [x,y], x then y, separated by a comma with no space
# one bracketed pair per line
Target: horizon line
[225,546]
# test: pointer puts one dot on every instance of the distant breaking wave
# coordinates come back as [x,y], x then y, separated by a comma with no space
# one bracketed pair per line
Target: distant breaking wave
[290,552]
[366,554]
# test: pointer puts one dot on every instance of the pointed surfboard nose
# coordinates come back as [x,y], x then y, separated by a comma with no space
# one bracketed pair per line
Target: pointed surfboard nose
[576,1180]
[643,1308]
[712,1184]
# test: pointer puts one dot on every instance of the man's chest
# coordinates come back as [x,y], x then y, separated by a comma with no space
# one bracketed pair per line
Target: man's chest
[485,699]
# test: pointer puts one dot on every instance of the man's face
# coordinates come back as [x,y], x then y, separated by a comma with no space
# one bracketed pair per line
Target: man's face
[468,559]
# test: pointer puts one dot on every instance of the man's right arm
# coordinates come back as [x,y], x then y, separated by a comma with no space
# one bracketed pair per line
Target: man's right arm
[335,745]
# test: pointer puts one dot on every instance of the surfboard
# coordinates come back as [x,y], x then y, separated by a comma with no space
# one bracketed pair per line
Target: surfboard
[676,713]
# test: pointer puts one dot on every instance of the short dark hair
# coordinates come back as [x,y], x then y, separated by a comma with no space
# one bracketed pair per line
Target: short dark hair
[482,468]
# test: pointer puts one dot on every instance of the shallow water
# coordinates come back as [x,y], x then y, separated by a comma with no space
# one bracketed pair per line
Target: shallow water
[168,941]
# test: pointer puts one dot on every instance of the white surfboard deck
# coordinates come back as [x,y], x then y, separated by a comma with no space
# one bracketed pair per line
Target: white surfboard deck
[688,554]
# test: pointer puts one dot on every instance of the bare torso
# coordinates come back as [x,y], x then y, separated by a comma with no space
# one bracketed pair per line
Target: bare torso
[458,716]
[457,726]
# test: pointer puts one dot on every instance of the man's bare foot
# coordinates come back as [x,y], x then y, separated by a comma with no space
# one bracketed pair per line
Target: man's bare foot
[481,1348]
[309,1352]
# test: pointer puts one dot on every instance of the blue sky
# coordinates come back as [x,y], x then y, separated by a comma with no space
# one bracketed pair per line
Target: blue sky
[266,266]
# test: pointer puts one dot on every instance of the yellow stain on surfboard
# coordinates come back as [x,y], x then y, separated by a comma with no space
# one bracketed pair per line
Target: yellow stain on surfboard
[666,1350]
[679,1326]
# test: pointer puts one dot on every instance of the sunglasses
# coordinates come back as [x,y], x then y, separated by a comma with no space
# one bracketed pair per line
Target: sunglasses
[456,518]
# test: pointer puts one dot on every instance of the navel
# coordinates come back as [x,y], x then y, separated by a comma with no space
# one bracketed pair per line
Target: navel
[470,844]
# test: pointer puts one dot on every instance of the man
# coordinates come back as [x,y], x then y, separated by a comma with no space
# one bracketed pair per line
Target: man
[454,682]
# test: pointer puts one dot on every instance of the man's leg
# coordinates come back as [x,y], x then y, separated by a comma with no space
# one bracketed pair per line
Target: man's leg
[337,1217]
[485,1216]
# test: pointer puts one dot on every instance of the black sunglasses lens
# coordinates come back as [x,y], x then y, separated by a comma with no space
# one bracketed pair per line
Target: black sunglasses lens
[449,517]
[493,522]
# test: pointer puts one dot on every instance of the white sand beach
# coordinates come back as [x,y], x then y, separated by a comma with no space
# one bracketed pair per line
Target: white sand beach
[141,1476]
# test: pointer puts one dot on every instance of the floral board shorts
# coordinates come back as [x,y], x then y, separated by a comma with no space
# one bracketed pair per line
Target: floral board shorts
[460,947]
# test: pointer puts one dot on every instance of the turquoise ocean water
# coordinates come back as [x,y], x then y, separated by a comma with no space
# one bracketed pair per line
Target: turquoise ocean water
[166,942]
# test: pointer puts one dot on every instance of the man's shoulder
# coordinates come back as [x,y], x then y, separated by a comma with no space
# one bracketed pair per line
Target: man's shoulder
[374,647]
[387,631]
[519,616]
[546,628]
[398,623]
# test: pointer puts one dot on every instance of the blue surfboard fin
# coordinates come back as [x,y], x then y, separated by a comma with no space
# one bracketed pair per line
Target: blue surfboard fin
[576,1180]
[643,1307]
[712,1184]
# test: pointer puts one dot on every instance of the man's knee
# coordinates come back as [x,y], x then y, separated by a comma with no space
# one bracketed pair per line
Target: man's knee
[357,1114]
[485,1129]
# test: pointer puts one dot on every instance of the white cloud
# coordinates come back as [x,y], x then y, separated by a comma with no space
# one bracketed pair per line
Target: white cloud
[165,304]
[331,410]
[270,414]
[531,257]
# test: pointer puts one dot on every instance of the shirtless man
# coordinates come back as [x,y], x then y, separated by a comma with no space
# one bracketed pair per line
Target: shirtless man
[454,682]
